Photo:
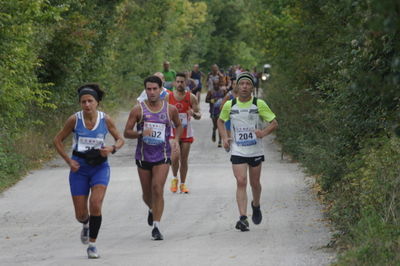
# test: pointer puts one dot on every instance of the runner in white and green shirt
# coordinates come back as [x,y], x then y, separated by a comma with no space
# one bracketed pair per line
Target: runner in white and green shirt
[248,116]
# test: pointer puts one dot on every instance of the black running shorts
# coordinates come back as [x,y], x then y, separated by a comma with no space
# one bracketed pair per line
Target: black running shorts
[149,165]
[252,161]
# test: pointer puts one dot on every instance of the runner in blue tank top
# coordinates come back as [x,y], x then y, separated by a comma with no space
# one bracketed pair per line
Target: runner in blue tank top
[152,119]
[90,172]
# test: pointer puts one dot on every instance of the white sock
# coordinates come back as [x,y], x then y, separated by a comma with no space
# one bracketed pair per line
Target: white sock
[175,177]
[92,244]
[156,224]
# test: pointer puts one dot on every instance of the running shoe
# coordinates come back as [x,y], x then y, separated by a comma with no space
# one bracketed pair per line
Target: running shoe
[150,218]
[213,138]
[156,235]
[92,252]
[257,215]
[183,188]
[174,185]
[219,144]
[242,225]
[85,235]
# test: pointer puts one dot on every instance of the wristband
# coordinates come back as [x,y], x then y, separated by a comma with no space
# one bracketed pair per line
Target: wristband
[114,149]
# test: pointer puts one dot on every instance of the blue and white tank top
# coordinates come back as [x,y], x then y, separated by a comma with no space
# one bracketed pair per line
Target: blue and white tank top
[85,139]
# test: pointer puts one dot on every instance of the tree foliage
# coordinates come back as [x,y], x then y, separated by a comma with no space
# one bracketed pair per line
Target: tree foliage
[50,47]
[335,83]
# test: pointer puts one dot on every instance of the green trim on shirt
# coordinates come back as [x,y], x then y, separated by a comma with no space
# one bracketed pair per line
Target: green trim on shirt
[263,109]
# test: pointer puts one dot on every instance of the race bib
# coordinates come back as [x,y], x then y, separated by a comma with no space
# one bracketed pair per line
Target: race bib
[245,136]
[184,119]
[157,136]
[85,143]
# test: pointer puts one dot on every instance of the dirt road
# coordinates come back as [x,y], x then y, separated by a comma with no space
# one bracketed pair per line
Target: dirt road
[37,225]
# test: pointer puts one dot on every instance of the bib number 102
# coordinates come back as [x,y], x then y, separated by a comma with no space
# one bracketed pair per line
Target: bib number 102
[156,134]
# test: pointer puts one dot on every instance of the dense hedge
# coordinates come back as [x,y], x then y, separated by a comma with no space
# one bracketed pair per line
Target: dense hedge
[336,91]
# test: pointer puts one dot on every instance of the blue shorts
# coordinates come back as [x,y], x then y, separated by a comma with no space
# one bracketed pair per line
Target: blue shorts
[88,176]
[228,125]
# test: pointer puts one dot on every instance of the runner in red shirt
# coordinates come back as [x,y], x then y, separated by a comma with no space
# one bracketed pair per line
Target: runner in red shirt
[188,107]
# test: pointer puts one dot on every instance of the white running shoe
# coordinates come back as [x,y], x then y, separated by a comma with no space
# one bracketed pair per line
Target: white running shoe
[92,252]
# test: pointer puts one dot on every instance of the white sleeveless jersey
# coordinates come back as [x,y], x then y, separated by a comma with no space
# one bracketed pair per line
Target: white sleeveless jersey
[244,122]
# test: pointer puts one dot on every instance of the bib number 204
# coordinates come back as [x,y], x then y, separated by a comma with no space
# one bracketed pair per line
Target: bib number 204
[245,136]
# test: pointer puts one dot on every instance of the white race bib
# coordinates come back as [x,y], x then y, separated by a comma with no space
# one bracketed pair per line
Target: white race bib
[157,136]
[184,119]
[245,136]
[85,143]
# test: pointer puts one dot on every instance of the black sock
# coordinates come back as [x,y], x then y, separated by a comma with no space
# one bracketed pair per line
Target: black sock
[243,217]
[94,226]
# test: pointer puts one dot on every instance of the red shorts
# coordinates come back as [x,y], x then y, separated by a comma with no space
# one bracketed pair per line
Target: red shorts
[188,140]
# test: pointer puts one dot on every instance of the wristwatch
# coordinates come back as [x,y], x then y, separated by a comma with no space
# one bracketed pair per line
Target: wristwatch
[114,149]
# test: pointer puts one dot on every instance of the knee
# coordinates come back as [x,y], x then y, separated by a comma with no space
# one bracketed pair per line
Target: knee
[81,217]
[255,184]
[157,191]
[95,207]
[184,161]
[175,157]
[241,182]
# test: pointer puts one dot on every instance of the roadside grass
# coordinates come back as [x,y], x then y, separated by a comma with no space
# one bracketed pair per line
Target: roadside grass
[371,242]
[32,148]
[35,146]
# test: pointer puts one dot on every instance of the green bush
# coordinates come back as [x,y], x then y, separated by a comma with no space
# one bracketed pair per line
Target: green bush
[372,184]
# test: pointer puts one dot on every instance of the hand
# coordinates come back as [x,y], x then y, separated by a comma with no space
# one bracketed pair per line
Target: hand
[259,133]
[212,100]
[147,132]
[74,165]
[227,143]
[106,150]
[197,116]
[190,112]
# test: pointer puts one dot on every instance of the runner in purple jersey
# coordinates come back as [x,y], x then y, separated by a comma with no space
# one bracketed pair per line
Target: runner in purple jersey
[156,147]
[153,118]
